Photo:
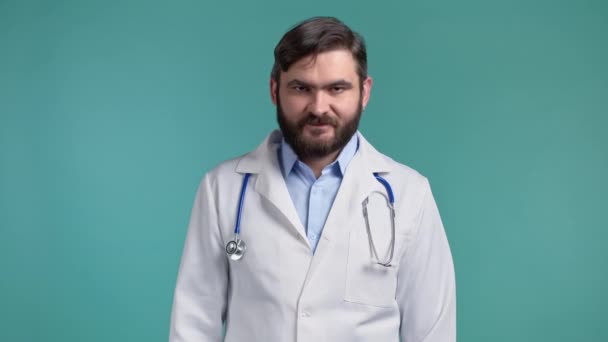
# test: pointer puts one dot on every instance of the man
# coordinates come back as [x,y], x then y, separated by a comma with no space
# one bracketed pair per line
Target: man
[320,255]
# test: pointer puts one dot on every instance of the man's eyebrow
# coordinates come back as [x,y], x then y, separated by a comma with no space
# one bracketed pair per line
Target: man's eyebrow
[338,83]
[297,82]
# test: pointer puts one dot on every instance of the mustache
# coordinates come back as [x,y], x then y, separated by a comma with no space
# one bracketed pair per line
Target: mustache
[317,120]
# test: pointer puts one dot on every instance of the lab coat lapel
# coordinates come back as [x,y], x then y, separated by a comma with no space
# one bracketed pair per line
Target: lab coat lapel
[270,183]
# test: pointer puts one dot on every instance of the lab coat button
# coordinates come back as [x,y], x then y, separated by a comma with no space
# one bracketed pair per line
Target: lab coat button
[304,314]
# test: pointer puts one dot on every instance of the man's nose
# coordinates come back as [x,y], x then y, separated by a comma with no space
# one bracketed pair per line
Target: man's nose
[319,103]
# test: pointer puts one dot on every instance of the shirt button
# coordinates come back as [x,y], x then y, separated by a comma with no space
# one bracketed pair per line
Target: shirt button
[304,314]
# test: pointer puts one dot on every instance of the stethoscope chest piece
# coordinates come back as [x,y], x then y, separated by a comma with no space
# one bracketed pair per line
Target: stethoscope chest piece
[235,249]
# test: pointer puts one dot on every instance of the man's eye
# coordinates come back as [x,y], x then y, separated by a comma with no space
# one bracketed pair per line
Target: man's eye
[337,90]
[300,89]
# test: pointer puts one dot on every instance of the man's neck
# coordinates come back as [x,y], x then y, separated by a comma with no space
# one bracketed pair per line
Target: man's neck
[318,164]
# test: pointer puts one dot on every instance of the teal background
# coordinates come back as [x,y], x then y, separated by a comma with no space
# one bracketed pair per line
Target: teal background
[111,112]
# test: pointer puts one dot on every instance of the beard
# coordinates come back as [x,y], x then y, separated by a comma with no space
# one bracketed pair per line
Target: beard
[309,147]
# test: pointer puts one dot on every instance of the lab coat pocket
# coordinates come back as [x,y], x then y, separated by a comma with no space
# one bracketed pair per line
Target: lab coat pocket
[368,282]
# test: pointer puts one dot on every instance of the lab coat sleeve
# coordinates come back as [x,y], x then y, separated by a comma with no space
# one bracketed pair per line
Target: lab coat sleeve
[426,292]
[199,303]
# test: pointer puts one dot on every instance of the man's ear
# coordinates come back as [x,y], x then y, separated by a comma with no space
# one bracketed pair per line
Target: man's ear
[366,91]
[273,90]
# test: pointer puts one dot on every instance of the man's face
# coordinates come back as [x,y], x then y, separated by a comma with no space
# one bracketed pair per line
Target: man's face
[319,103]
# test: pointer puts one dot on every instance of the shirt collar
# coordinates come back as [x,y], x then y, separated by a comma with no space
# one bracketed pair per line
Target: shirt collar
[289,158]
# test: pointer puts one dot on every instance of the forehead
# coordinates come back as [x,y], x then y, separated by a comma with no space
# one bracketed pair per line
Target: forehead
[326,66]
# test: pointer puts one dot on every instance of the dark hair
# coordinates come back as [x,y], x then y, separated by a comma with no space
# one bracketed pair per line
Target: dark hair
[314,36]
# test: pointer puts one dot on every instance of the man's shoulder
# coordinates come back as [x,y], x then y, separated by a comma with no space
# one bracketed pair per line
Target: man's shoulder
[224,169]
[398,171]
[250,162]
[403,171]
[410,187]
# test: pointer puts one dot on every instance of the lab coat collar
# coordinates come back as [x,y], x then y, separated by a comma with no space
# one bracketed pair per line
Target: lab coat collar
[358,182]
[289,158]
[266,155]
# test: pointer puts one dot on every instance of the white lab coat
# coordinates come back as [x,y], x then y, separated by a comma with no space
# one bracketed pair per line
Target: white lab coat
[279,291]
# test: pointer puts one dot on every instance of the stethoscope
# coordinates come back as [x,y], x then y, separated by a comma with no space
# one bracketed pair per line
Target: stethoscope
[235,249]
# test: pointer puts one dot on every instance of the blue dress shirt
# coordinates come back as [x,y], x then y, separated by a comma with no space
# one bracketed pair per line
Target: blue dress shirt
[314,197]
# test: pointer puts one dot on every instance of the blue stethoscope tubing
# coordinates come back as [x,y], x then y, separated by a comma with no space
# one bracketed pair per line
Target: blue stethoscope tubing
[237,227]
[235,248]
[387,186]
[391,207]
